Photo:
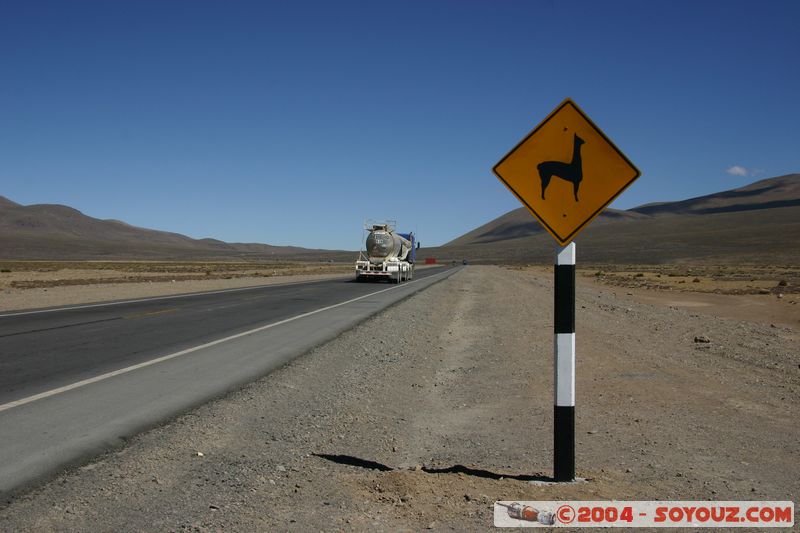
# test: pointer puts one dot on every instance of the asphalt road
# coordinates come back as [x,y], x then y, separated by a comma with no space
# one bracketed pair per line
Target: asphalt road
[77,381]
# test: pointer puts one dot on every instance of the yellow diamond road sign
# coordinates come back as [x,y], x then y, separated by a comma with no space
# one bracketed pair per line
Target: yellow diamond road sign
[566,171]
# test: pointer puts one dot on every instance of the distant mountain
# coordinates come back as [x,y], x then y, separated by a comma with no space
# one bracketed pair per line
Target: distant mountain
[58,232]
[520,223]
[5,202]
[757,223]
[783,191]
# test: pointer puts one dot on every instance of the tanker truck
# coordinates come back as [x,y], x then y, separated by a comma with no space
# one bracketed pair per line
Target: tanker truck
[388,255]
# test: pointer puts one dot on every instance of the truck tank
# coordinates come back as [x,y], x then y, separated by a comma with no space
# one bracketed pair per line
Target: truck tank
[384,244]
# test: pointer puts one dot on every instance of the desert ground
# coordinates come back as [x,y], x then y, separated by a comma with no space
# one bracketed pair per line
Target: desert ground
[35,284]
[753,293]
[424,415]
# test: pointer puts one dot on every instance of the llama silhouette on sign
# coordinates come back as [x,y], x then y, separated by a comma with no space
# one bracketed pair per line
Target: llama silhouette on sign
[572,171]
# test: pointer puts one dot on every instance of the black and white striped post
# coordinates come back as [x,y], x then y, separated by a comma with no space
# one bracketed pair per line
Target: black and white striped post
[564,365]
[607,172]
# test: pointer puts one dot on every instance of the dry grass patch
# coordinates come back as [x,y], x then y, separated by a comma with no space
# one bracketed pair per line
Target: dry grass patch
[45,274]
[724,279]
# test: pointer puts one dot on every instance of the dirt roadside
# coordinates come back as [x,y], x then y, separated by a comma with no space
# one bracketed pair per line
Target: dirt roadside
[422,416]
[56,286]
[12,299]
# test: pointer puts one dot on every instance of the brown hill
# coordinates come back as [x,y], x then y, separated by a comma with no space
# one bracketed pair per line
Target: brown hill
[58,232]
[758,223]
[5,202]
[520,223]
[782,191]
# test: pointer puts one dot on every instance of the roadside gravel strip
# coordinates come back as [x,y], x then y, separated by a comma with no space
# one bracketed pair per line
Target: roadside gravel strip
[61,426]
[423,415]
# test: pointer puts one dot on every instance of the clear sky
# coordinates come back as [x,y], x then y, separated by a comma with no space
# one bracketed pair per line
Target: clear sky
[291,122]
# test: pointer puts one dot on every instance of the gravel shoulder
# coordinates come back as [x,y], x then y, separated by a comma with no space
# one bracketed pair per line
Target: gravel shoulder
[422,416]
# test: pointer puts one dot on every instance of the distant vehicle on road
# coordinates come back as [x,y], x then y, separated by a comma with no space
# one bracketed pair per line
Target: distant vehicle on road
[388,255]
[464,262]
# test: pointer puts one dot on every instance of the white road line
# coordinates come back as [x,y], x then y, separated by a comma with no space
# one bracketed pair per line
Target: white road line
[101,377]
[167,297]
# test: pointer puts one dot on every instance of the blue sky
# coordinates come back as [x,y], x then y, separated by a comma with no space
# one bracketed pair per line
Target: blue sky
[292,122]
